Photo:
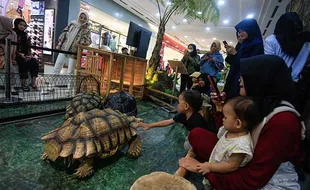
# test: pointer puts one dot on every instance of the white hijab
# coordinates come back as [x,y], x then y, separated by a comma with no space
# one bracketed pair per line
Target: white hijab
[74,29]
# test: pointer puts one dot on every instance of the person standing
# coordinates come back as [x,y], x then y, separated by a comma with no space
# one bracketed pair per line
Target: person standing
[191,61]
[6,32]
[76,33]
[113,44]
[212,62]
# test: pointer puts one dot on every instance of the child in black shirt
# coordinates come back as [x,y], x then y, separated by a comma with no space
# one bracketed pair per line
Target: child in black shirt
[189,105]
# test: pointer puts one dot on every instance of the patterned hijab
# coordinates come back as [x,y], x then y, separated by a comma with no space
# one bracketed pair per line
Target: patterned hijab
[6,32]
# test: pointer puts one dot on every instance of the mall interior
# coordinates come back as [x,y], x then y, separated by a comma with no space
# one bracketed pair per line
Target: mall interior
[84,81]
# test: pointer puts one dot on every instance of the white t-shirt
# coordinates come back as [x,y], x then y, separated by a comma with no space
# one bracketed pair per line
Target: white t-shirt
[224,148]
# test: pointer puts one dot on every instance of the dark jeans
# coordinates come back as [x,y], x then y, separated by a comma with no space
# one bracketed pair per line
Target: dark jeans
[186,82]
[32,66]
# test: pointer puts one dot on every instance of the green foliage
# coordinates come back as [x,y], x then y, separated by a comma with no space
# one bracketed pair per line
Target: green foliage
[172,75]
[190,8]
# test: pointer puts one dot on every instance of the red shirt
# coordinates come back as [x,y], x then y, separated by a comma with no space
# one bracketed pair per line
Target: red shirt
[279,142]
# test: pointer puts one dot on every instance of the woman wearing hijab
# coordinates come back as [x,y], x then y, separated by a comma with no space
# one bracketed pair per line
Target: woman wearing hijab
[76,33]
[191,61]
[203,85]
[249,34]
[212,62]
[291,43]
[276,139]
[23,55]
[6,32]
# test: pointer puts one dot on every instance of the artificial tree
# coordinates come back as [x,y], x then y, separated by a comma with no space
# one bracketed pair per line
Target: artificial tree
[203,10]
[302,7]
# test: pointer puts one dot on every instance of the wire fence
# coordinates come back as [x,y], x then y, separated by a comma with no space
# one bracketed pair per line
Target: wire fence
[50,93]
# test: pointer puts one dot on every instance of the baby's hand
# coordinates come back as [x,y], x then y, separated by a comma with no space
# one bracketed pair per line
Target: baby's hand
[203,168]
[144,125]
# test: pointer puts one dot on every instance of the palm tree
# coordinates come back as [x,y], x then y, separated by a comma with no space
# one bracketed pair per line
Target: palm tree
[203,10]
[302,7]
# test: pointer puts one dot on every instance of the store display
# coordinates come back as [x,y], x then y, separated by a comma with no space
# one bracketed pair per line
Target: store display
[36,28]
[95,28]
[48,30]
[3,7]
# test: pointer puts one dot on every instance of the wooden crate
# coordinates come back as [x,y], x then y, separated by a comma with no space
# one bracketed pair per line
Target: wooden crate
[115,72]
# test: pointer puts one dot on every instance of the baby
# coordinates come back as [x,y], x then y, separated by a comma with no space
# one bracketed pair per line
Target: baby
[235,147]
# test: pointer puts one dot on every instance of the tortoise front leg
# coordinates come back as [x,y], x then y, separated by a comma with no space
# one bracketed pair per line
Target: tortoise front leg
[86,168]
[135,147]
[44,156]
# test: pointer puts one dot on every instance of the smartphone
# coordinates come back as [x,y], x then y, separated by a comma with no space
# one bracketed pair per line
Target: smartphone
[214,87]
[225,43]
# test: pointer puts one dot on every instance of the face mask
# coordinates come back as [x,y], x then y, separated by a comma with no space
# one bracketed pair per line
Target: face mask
[190,50]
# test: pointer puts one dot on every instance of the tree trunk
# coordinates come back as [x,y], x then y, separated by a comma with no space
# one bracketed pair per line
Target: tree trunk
[155,58]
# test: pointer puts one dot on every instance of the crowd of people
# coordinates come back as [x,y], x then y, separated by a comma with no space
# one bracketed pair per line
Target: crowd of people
[260,117]
[259,130]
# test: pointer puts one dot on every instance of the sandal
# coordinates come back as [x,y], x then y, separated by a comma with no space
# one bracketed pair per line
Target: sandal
[26,88]
[35,87]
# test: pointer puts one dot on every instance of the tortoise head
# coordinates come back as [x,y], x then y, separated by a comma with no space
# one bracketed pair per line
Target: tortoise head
[134,121]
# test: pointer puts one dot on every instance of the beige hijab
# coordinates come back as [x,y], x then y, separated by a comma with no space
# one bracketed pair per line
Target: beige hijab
[218,45]
[6,32]
[74,30]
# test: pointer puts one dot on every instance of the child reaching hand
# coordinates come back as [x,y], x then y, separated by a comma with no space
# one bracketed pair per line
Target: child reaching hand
[189,104]
[235,147]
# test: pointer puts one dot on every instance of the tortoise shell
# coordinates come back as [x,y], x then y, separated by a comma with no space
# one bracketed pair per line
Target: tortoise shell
[88,134]
[83,102]
[123,102]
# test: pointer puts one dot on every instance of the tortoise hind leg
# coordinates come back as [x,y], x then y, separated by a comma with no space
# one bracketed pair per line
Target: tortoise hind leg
[135,147]
[86,168]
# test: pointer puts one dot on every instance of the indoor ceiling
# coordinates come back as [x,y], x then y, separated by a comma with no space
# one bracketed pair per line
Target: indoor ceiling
[266,12]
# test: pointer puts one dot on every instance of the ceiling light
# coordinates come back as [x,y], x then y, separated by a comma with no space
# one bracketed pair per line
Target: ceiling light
[221,2]
[139,24]
[199,12]
[250,16]
[214,38]
[230,42]
[184,20]
[208,28]
[203,40]
[185,36]
[157,14]
[173,27]
[226,21]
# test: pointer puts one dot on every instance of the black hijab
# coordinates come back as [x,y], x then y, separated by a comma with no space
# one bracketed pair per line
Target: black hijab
[22,37]
[203,89]
[254,37]
[289,33]
[268,80]
[194,53]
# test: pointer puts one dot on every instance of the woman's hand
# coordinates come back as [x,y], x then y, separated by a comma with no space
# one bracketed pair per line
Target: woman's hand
[145,126]
[203,168]
[230,50]
[186,53]
[219,104]
[189,164]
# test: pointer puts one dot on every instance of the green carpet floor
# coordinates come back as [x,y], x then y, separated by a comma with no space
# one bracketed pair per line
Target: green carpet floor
[22,168]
